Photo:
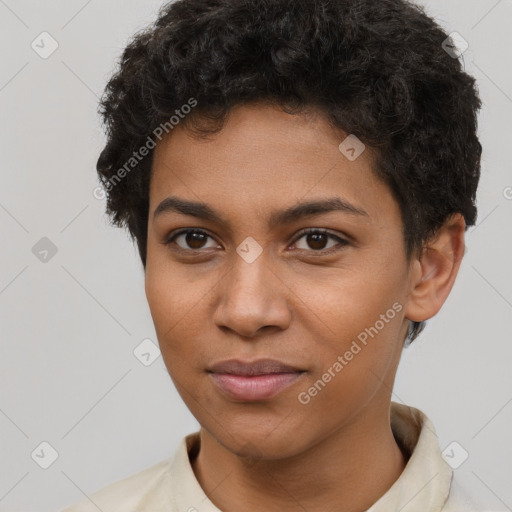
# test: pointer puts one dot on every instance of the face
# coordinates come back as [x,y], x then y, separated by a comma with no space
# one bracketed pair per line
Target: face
[320,291]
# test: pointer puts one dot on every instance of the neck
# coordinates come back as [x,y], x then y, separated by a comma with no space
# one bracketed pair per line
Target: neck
[353,466]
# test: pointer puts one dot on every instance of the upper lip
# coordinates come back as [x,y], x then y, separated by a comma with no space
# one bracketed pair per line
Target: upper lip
[259,367]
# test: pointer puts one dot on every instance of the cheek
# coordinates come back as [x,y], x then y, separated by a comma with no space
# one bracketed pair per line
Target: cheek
[366,339]
[172,293]
[347,305]
[362,343]
[174,306]
[359,365]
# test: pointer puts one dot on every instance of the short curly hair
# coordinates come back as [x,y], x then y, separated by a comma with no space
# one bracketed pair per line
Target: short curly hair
[375,69]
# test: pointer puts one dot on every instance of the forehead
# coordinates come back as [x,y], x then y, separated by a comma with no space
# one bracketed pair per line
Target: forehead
[262,158]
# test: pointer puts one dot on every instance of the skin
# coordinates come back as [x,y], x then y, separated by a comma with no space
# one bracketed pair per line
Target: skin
[296,302]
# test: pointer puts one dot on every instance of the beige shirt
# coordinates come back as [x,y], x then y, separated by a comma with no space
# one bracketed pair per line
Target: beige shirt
[425,485]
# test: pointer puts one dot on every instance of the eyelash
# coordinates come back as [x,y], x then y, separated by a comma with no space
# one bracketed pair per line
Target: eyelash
[308,231]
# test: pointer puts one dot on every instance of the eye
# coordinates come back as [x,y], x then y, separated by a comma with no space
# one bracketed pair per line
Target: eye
[317,238]
[194,238]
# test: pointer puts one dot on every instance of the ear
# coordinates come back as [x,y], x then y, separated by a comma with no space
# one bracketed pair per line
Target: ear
[434,272]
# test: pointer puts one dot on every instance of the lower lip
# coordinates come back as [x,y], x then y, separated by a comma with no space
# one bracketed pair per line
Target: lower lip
[257,387]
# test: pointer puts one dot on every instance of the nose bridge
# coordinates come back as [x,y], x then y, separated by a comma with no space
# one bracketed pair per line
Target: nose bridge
[249,281]
[251,296]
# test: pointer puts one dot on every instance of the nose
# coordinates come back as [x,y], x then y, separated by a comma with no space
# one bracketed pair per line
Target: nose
[252,298]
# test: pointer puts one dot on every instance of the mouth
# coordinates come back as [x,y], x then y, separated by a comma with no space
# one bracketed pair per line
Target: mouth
[253,381]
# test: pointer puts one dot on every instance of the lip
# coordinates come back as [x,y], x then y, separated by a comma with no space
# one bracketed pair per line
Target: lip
[258,367]
[252,381]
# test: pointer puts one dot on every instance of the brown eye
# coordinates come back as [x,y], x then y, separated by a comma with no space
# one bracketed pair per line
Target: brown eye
[195,240]
[191,239]
[316,240]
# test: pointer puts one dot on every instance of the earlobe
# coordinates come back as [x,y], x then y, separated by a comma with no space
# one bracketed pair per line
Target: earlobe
[435,271]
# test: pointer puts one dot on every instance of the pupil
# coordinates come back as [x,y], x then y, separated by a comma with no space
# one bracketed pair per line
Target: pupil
[194,240]
[314,238]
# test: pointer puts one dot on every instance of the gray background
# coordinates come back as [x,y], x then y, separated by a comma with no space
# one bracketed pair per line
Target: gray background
[69,326]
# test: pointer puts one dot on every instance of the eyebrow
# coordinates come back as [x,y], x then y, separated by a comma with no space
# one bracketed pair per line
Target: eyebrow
[291,214]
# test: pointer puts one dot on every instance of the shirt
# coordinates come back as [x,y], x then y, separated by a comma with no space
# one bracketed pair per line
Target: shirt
[425,485]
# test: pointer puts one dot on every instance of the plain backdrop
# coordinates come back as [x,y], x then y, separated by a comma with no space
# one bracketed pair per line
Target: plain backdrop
[71,318]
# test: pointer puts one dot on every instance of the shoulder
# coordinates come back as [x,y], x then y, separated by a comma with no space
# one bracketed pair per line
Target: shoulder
[126,494]
[459,499]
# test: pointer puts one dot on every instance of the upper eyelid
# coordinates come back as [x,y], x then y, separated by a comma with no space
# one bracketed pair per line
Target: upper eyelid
[184,231]
[324,231]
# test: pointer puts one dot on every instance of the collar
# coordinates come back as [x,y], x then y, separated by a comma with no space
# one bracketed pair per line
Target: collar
[423,485]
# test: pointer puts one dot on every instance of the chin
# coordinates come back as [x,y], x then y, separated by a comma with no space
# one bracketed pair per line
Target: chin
[258,444]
